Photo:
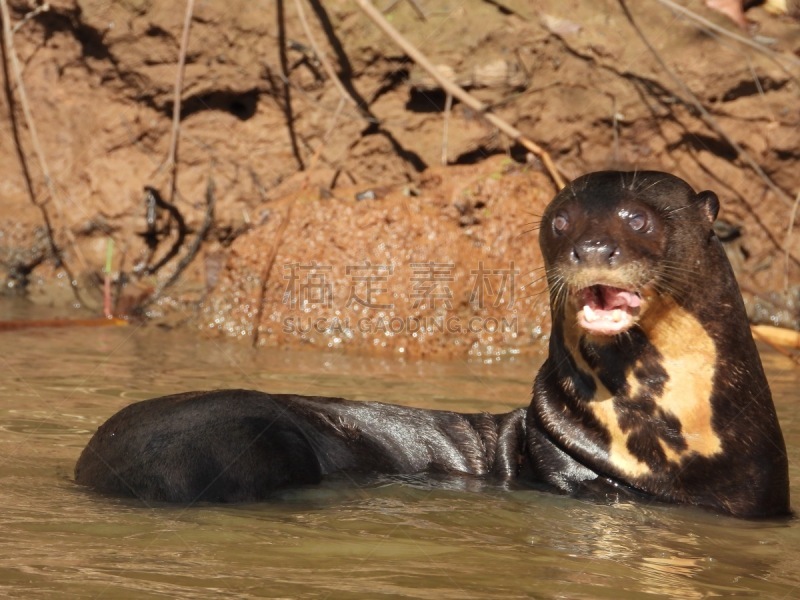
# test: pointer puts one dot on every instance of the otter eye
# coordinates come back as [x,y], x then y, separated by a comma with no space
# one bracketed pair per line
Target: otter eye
[637,222]
[560,223]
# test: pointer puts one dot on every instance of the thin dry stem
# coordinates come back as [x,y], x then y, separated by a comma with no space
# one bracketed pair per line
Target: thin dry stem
[31,15]
[270,262]
[323,59]
[448,105]
[172,156]
[414,5]
[191,252]
[787,254]
[318,151]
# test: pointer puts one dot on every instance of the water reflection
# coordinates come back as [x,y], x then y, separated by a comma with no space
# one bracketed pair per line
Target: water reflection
[409,537]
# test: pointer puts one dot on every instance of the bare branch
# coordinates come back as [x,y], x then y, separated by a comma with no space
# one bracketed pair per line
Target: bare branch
[172,156]
[31,15]
[323,59]
[193,249]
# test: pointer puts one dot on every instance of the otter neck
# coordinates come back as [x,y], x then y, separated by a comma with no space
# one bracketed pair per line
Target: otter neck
[650,389]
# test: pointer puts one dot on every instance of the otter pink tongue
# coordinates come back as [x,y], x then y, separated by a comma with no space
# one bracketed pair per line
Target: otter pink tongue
[617,298]
[607,310]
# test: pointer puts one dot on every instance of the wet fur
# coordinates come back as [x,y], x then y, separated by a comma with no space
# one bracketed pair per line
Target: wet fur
[242,445]
[691,359]
[676,409]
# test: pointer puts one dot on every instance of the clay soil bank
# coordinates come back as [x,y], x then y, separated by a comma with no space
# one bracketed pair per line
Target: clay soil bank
[313,213]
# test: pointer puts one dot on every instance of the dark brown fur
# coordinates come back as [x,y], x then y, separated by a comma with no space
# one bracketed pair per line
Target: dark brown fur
[676,408]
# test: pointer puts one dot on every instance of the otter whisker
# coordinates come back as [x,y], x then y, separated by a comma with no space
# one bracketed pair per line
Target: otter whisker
[527,231]
[534,294]
[535,281]
[652,185]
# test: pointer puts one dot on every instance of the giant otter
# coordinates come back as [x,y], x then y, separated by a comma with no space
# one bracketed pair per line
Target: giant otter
[653,387]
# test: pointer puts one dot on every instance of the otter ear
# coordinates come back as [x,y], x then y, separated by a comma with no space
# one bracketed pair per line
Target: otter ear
[709,204]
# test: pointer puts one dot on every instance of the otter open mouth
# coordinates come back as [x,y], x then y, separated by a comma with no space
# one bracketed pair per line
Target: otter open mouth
[607,310]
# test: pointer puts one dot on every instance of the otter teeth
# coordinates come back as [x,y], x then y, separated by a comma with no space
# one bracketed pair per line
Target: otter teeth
[591,316]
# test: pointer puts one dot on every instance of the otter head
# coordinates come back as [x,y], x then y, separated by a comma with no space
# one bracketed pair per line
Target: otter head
[614,243]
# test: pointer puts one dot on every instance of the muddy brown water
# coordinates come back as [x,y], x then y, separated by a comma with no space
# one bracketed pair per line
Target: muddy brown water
[398,539]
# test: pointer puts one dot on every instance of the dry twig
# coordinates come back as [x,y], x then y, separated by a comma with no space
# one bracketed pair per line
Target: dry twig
[414,4]
[193,249]
[323,59]
[448,105]
[270,262]
[172,156]
[457,91]
[326,136]
[787,255]
[31,15]
[286,105]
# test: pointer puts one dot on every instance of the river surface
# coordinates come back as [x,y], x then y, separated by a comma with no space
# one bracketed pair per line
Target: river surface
[398,540]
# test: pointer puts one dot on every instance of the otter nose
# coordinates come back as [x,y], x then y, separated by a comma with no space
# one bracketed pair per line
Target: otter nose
[596,252]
